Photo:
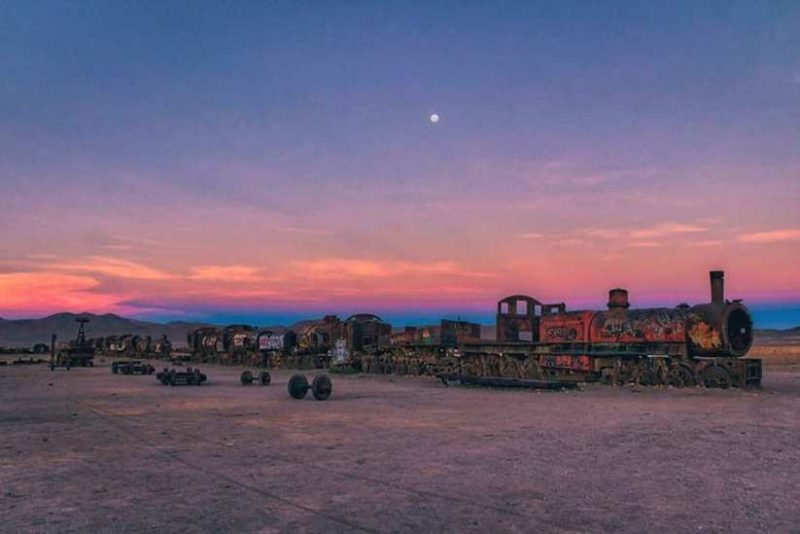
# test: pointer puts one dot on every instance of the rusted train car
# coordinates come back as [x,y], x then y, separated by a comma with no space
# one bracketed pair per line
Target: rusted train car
[234,344]
[134,346]
[681,346]
[447,334]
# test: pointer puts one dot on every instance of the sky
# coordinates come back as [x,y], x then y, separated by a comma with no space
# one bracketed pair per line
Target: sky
[268,161]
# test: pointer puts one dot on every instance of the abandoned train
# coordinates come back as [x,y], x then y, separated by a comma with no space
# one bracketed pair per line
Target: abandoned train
[681,346]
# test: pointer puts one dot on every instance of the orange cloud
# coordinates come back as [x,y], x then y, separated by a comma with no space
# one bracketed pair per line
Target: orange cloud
[38,291]
[226,273]
[117,268]
[666,229]
[350,268]
[772,236]
[636,236]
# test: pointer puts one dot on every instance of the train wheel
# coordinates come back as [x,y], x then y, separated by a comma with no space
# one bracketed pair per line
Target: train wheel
[298,386]
[716,377]
[246,379]
[625,373]
[265,378]
[321,387]
[681,376]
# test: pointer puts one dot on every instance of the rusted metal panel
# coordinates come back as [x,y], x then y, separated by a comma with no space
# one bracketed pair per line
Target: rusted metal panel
[406,337]
[570,327]
[563,361]
[459,332]
[656,325]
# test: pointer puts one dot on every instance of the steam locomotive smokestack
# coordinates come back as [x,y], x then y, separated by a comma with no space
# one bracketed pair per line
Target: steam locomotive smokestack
[618,298]
[717,286]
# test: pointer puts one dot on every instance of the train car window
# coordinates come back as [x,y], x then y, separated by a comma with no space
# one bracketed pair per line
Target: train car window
[504,307]
[522,307]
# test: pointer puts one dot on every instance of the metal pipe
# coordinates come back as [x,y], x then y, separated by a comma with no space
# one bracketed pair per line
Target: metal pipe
[717,286]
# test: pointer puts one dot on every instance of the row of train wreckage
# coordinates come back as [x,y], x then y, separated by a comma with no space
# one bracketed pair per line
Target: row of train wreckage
[321,343]
[536,344]
[704,344]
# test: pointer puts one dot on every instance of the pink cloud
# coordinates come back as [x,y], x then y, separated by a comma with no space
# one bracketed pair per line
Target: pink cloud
[666,229]
[226,273]
[341,268]
[117,268]
[772,236]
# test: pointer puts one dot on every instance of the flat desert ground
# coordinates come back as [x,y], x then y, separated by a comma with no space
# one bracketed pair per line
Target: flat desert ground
[88,451]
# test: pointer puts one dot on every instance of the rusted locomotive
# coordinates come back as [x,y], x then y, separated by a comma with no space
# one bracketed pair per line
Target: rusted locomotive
[681,346]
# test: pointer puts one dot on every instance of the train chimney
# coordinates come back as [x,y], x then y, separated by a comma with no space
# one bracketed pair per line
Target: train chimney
[618,298]
[717,286]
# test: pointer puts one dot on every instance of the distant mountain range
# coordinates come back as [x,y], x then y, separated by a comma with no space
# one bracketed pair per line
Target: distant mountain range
[770,336]
[27,332]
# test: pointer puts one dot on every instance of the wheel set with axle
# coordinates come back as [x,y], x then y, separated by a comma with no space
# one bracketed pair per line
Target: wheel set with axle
[321,385]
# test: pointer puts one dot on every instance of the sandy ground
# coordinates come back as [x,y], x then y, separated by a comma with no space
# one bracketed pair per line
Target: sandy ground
[86,450]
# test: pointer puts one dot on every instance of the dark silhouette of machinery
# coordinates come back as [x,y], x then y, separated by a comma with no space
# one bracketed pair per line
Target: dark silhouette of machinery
[78,353]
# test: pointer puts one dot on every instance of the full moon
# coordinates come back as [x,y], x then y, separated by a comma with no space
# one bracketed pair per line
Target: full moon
[434,118]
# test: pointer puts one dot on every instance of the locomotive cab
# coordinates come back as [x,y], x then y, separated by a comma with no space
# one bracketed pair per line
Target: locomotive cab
[518,319]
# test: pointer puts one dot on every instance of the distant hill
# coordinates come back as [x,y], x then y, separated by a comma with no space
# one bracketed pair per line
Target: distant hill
[27,332]
[768,336]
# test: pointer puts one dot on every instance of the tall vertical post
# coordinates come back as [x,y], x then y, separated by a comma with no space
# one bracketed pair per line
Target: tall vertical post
[717,286]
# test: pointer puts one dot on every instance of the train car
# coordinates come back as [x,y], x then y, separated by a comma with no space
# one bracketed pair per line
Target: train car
[238,338]
[447,334]
[205,343]
[320,336]
[161,347]
[270,341]
[366,332]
